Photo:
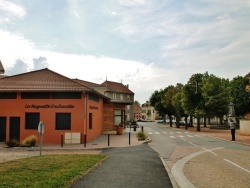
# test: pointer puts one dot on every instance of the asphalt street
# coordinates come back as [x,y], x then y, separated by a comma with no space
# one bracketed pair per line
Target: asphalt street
[133,167]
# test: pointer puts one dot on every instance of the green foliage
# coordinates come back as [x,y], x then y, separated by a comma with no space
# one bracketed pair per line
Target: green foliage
[29,141]
[240,97]
[141,135]
[155,100]
[216,96]
[12,142]
[47,170]
[205,95]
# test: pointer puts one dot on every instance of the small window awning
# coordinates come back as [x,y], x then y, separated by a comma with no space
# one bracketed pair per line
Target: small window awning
[1,68]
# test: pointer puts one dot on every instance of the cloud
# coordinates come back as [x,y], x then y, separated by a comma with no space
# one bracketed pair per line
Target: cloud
[10,9]
[40,63]
[19,67]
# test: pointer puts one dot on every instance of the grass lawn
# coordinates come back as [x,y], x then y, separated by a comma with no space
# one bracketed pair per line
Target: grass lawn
[47,171]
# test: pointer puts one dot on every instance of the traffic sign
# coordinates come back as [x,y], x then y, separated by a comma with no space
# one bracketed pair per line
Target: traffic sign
[41,128]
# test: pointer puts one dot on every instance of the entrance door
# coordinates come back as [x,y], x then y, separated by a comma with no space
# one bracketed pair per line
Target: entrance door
[2,129]
[15,128]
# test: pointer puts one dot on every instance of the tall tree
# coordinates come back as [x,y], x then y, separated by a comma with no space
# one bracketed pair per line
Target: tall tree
[192,101]
[216,97]
[240,97]
[155,100]
[166,99]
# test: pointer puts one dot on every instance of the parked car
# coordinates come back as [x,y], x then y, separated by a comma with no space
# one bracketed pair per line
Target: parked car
[141,120]
[160,121]
[181,123]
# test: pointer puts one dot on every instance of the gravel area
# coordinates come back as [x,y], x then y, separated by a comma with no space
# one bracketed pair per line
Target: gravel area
[9,154]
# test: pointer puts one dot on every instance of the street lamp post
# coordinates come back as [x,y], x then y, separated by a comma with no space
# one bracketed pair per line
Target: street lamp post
[196,86]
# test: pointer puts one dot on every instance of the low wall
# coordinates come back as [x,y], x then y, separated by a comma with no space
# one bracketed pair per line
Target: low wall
[245,127]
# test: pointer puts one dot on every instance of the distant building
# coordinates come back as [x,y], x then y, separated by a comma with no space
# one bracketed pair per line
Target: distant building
[149,112]
[137,112]
[119,109]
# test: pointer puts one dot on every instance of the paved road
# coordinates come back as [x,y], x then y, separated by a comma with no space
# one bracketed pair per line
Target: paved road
[201,161]
[133,167]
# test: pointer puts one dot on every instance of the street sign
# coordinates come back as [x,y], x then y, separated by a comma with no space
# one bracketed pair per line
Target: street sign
[41,128]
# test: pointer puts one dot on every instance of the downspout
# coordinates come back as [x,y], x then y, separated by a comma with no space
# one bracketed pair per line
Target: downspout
[85,120]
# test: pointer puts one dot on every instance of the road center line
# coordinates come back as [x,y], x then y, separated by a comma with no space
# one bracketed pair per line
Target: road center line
[209,151]
[237,165]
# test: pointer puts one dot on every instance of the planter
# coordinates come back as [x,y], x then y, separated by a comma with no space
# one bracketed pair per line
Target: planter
[119,130]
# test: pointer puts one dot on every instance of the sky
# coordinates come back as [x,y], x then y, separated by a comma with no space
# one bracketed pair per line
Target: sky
[147,44]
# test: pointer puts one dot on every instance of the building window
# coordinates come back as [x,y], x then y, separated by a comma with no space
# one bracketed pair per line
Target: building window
[35,95]
[63,121]
[114,95]
[8,95]
[66,95]
[122,97]
[119,117]
[93,97]
[90,120]
[128,97]
[32,120]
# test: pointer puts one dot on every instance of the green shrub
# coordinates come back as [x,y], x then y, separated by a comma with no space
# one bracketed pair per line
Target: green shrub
[12,142]
[29,141]
[141,135]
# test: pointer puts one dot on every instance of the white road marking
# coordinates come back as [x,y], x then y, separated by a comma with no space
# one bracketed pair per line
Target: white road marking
[181,136]
[237,165]
[164,132]
[192,144]
[149,133]
[197,135]
[172,136]
[157,133]
[209,151]
[190,136]
[177,170]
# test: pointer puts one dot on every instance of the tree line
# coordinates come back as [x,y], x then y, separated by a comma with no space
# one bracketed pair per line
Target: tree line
[204,96]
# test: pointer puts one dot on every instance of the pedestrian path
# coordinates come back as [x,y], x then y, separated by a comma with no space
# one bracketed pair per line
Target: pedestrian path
[175,134]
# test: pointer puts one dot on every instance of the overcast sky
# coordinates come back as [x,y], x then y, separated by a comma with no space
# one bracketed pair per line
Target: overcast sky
[148,44]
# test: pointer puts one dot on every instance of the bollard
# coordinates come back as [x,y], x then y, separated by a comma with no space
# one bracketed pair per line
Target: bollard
[134,127]
[129,138]
[62,140]
[85,140]
[108,139]
[141,128]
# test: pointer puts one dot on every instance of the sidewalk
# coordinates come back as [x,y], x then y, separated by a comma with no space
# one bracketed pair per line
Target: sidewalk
[99,143]
[217,133]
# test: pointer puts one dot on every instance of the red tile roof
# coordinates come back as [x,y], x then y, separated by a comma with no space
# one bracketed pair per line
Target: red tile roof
[40,80]
[116,87]
[86,83]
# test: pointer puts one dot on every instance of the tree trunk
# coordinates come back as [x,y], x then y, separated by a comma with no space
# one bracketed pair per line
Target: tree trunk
[186,123]
[198,124]
[209,121]
[205,122]
[191,121]
[177,122]
[170,120]
[221,120]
